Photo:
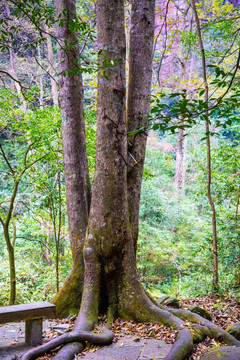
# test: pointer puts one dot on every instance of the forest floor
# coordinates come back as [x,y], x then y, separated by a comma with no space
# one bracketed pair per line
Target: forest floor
[132,341]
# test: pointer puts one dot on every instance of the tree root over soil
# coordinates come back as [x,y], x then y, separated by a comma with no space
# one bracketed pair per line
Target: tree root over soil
[104,338]
[193,329]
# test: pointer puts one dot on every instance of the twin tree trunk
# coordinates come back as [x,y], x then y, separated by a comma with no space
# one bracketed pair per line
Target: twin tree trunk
[111,284]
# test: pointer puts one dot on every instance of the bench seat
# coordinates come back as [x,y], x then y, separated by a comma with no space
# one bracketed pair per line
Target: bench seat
[32,314]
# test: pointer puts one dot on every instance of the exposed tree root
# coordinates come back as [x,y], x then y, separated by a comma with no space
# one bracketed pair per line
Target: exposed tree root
[188,334]
[69,351]
[209,329]
[182,346]
[103,338]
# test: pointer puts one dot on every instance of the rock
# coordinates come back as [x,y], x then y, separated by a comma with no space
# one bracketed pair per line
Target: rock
[223,353]
[173,302]
[234,330]
[169,301]
[200,311]
[163,298]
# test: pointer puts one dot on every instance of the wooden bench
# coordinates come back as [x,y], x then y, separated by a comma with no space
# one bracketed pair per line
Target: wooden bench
[32,314]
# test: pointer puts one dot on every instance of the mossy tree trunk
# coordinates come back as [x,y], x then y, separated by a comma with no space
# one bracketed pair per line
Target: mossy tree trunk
[74,152]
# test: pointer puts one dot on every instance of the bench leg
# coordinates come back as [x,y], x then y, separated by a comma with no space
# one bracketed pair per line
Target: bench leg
[33,332]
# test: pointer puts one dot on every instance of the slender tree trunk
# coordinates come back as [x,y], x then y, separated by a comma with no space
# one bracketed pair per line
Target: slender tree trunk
[12,276]
[209,168]
[139,90]
[12,269]
[40,78]
[184,163]
[179,161]
[47,255]
[57,267]
[236,226]
[74,152]
[52,71]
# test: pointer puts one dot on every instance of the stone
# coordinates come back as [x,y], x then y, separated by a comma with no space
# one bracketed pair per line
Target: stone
[14,313]
[33,332]
[222,353]
[234,330]
[172,302]
[33,314]
[125,348]
[200,311]
[155,349]
[162,299]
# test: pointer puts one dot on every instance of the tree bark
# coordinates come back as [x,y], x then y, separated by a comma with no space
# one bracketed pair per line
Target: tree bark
[138,104]
[74,153]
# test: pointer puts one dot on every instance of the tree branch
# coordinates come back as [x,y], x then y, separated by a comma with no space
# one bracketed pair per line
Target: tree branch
[14,79]
[6,159]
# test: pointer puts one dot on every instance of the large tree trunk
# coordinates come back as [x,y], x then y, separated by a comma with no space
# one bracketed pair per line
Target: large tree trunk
[110,284]
[74,153]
